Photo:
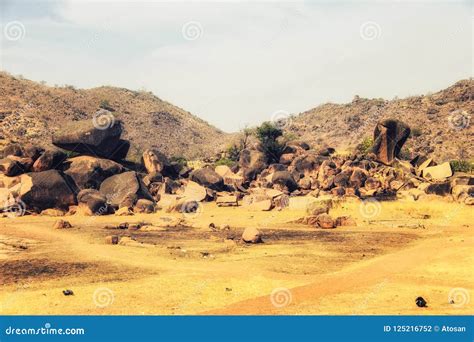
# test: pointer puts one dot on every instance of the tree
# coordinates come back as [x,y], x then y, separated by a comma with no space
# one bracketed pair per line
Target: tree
[268,134]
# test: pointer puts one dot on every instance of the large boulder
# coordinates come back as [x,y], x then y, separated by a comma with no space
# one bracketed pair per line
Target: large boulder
[252,162]
[154,161]
[124,189]
[285,179]
[438,172]
[50,159]
[93,137]
[89,172]
[389,137]
[47,189]
[14,166]
[208,178]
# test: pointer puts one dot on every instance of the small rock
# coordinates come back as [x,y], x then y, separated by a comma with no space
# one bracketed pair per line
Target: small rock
[68,292]
[112,239]
[325,221]
[62,224]
[252,235]
[345,221]
[421,302]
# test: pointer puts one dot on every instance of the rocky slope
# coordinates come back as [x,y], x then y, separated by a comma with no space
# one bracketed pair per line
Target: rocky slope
[32,112]
[440,122]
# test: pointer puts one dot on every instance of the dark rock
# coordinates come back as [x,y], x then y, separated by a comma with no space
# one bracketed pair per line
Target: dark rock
[208,178]
[421,302]
[93,202]
[144,206]
[326,152]
[252,162]
[89,172]
[440,189]
[124,188]
[33,152]
[389,137]
[93,137]
[47,189]
[48,160]
[285,179]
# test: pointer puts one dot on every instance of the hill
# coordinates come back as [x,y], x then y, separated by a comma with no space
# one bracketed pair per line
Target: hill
[440,122]
[30,111]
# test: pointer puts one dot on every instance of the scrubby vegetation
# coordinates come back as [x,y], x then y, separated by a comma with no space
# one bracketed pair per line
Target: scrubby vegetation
[462,165]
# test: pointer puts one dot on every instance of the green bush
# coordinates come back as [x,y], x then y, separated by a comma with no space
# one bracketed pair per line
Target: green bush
[180,160]
[225,161]
[462,166]
[232,153]
[104,104]
[365,146]
[268,134]
[416,132]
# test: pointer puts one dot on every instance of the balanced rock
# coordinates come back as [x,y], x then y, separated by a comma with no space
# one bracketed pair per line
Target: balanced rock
[98,137]
[389,137]
[154,161]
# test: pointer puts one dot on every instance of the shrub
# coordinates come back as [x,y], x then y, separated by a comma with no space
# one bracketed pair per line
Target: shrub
[268,134]
[416,132]
[104,104]
[462,166]
[232,153]
[225,161]
[180,160]
[365,146]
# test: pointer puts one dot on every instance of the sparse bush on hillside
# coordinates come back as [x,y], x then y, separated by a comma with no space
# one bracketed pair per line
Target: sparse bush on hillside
[462,166]
[225,161]
[415,132]
[180,160]
[104,104]
[365,146]
[233,153]
[268,134]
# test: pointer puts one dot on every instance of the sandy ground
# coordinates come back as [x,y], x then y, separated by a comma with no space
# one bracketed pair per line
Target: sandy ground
[397,252]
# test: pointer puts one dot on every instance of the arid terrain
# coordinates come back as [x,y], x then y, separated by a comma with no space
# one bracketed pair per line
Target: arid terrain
[116,202]
[379,266]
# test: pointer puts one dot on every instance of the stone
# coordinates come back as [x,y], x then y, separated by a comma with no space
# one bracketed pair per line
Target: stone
[307,163]
[124,211]
[358,178]
[144,206]
[338,191]
[342,179]
[372,183]
[99,137]
[423,165]
[345,221]
[49,159]
[326,152]
[438,172]
[89,172]
[440,189]
[461,192]
[287,158]
[252,162]
[194,191]
[13,149]
[325,221]
[46,189]
[62,224]
[319,207]
[252,235]
[389,137]
[112,239]
[227,201]
[154,161]
[223,170]
[284,179]
[92,202]
[32,151]
[208,178]
[124,189]
[10,167]
[262,205]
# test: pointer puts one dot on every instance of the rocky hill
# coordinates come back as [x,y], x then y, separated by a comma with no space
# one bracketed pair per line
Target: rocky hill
[440,122]
[32,112]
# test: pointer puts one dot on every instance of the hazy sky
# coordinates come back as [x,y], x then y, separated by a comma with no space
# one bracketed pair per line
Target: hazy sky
[237,63]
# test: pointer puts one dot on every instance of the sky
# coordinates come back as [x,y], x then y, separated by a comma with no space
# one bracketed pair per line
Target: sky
[239,63]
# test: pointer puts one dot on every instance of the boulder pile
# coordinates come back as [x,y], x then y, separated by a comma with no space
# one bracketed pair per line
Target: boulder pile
[99,182]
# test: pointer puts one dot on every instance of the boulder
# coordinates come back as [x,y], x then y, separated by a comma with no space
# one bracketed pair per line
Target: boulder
[326,221]
[194,191]
[154,161]
[62,224]
[93,137]
[252,162]
[358,178]
[32,151]
[14,166]
[462,192]
[389,137]
[440,189]
[326,152]
[89,172]
[306,163]
[208,178]
[319,207]
[345,221]
[342,179]
[438,172]
[49,159]
[285,179]
[92,202]
[144,206]
[287,158]
[47,189]
[52,212]
[124,189]
[252,235]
